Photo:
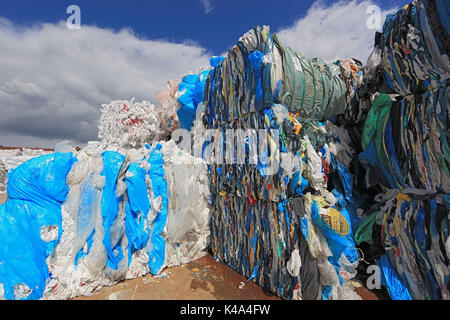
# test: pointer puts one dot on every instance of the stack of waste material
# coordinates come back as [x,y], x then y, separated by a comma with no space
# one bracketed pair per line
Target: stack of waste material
[411,55]
[406,144]
[281,197]
[261,72]
[77,221]
[407,234]
[13,157]
[406,153]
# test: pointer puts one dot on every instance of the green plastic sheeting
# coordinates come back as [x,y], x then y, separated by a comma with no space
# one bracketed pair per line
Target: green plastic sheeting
[310,87]
[375,118]
[364,231]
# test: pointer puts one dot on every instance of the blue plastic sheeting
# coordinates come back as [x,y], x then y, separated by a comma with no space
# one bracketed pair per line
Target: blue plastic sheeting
[193,87]
[337,243]
[112,162]
[81,253]
[345,181]
[298,183]
[136,210]
[36,191]
[397,290]
[326,292]
[215,61]
[256,61]
[369,158]
[159,187]
[87,215]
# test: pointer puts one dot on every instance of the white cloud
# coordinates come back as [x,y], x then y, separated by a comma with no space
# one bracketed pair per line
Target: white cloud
[333,32]
[207,6]
[53,80]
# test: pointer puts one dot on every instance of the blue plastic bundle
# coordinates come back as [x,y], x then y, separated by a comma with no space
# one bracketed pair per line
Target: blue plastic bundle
[36,191]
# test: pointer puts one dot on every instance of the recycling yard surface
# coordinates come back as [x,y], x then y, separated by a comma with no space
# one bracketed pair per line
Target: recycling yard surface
[203,279]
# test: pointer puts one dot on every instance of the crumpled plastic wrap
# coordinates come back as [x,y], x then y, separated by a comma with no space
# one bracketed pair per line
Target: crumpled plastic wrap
[188,212]
[129,124]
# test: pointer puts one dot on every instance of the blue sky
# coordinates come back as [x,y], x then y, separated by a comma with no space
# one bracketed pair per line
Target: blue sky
[53,80]
[174,21]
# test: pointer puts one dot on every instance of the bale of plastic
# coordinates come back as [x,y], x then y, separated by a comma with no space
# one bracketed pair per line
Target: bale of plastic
[280,217]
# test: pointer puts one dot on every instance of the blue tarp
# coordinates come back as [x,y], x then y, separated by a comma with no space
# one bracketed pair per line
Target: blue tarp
[136,210]
[112,162]
[159,186]
[36,191]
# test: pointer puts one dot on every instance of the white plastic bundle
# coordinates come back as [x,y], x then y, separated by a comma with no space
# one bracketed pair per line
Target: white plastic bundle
[129,124]
[81,214]
[78,267]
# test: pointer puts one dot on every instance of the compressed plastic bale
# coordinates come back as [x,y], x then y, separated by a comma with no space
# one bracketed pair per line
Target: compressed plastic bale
[36,191]
[129,124]
[78,262]
[411,52]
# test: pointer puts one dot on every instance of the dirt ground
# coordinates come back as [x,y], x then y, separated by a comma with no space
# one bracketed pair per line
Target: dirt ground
[2,198]
[203,279]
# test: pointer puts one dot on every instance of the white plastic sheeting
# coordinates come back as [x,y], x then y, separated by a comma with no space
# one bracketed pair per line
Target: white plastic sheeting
[188,211]
[129,124]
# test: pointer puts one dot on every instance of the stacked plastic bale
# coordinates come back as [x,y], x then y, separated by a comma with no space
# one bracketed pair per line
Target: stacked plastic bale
[78,221]
[280,196]
[406,153]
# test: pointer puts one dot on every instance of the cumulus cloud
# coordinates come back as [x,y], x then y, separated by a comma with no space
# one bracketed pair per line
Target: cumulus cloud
[334,32]
[53,80]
